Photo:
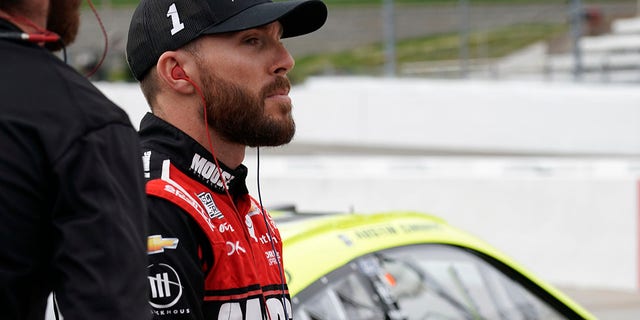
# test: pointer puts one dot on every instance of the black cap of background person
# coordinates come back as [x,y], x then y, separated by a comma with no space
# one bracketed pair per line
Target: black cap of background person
[158,26]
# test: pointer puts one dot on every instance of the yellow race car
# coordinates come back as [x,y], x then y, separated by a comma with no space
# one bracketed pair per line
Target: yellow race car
[407,265]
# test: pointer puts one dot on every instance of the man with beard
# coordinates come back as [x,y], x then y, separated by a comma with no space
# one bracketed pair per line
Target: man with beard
[214,73]
[72,205]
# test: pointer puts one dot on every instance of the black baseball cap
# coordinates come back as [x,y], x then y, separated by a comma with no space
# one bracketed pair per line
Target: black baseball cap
[158,26]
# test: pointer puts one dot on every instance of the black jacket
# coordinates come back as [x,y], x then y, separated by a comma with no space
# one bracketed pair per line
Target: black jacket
[72,206]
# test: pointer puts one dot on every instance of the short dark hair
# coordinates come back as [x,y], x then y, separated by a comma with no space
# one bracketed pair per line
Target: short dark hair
[149,87]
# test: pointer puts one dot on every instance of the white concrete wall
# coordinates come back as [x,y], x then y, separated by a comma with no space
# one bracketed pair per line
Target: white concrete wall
[471,115]
[571,220]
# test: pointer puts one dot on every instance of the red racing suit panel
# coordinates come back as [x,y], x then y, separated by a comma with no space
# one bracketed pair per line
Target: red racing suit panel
[245,280]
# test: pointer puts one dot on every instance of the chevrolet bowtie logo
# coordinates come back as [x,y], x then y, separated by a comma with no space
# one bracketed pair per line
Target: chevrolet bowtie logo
[157,244]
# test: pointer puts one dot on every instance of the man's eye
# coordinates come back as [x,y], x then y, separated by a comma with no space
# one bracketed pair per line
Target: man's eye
[252,41]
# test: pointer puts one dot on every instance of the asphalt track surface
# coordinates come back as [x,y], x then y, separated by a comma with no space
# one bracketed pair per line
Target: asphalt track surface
[607,304]
[351,27]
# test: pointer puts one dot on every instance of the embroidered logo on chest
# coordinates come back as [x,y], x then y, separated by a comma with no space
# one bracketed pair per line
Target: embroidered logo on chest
[210,205]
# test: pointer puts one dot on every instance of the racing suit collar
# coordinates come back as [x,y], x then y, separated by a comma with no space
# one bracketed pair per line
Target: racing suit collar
[8,26]
[190,156]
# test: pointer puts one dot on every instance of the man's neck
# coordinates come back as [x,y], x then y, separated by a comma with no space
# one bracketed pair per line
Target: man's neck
[29,16]
[231,154]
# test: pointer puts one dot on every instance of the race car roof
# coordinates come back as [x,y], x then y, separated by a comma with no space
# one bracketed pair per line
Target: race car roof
[316,244]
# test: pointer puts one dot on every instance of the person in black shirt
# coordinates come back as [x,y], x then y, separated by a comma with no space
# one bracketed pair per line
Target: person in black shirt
[72,206]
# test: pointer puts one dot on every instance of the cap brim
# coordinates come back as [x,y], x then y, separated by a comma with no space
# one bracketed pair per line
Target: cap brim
[297,17]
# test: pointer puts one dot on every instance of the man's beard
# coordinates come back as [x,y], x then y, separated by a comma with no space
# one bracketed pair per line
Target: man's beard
[239,116]
[63,19]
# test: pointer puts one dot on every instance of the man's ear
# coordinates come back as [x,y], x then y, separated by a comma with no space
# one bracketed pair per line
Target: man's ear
[171,70]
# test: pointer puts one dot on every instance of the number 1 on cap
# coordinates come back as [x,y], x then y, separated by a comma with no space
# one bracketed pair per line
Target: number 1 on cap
[175,19]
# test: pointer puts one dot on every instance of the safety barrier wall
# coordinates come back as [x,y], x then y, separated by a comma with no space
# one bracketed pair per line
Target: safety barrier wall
[573,221]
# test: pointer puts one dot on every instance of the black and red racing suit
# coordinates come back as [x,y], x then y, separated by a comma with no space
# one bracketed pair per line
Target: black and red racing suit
[209,258]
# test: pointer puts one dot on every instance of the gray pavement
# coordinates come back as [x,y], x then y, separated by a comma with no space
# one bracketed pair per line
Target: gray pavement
[607,304]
